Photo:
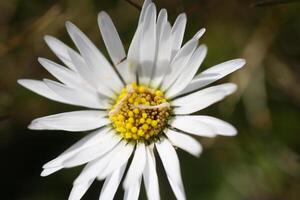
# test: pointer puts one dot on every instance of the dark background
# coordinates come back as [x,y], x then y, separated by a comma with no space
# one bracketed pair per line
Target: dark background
[261,163]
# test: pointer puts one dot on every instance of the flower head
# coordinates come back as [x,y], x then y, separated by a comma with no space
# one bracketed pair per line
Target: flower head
[138,105]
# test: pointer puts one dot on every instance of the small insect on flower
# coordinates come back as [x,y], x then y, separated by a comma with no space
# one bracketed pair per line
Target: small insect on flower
[138,106]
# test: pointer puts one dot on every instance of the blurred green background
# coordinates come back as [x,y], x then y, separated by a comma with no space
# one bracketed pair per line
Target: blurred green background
[261,163]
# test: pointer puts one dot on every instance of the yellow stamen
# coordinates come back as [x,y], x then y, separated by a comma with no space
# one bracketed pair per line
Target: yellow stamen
[139,113]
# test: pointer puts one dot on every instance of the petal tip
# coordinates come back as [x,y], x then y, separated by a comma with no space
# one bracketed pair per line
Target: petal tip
[21,82]
[43,173]
[102,14]
[33,126]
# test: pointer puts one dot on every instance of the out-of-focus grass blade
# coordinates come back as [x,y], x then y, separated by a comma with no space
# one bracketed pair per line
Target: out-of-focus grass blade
[134,4]
[272,2]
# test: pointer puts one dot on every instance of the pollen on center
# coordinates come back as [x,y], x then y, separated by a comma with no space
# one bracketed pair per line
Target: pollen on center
[140,113]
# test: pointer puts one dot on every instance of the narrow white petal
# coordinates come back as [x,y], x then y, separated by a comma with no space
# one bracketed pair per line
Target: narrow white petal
[171,164]
[72,121]
[133,53]
[42,89]
[136,167]
[178,63]
[61,50]
[202,99]
[128,71]
[63,74]
[96,167]
[132,193]
[48,171]
[163,55]
[89,140]
[134,48]
[162,19]
[169,159]
[225,68]
[79,190]
[95,59]
[213,74]
[178,189]
[178,32]
[119,159]
[111,184]
[89,76]
[184,123]
[111,38]
[148,45]
[77,97]
[114,46]
[199,34]
[93,152]
[185,142]
[150,176]
[220,127]
[143,11]
[188,72]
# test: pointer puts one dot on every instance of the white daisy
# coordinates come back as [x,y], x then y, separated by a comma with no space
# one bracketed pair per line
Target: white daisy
[138,106]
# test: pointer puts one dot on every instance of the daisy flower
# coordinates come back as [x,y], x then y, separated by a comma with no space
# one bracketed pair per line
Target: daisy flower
[138,106]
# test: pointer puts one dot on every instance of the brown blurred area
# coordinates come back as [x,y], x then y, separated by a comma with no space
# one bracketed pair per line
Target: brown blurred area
[261,163]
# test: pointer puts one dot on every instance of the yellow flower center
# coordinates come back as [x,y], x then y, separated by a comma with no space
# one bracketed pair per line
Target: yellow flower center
[140,113]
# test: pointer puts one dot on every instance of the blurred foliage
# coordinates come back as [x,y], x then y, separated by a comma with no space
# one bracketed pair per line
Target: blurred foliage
[262,162]
[272,2]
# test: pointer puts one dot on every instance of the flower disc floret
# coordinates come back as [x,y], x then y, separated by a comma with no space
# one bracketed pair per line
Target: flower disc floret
[140,113]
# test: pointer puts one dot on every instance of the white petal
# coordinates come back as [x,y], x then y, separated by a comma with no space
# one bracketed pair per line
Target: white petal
[171,164]
[95,59]
[132,193]
[225,68]
[213,74]
[199,34]
[89,140]
[184,123]
[220,127]
[72,121]
[185,142]
[89,76]
[93,152]
[119,159]
[162,19]
[42,89]
[178,189]
[77,97]
[179,63]
[63,74]
[148,45]
[150,176]
[163,56]
[128,71]
[134,48]
[48,171]
[169,159]
[143,11]
[178,32]
[114,46]
[61,50]
[93,168]
[133,53]
[111,184]
[188,72]
[79,190]
[111,38]
[202,99]
[136,167]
